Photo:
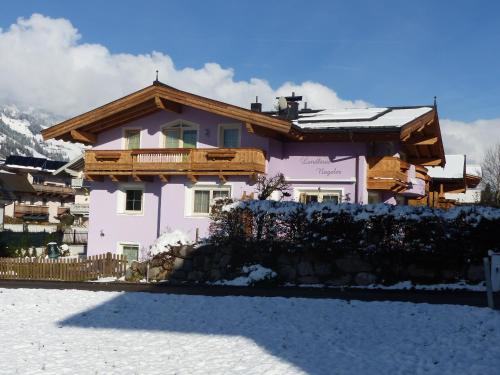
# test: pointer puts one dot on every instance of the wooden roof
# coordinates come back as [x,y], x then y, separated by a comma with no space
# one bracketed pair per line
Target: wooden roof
[420,138]
[158,96]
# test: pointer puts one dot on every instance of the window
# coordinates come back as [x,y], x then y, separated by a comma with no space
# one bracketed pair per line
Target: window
[180,135]
[132,138]
[130,198]
[312,196]
[133,200]
[203,198]
[131,251]
[230,136]
[374,197]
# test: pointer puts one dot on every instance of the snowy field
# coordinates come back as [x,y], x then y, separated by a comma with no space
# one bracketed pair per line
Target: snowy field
[82,332]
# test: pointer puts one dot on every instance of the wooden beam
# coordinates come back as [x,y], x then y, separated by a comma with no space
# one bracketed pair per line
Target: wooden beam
[83,136]
[163,178]
[168,105]
[249,127]
[429,161]
[222,179]
[113,178]
[424,141]
[136,178]
[192,178]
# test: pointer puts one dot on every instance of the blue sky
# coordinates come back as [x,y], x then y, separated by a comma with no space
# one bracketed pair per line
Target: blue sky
[387,53]
[382,53]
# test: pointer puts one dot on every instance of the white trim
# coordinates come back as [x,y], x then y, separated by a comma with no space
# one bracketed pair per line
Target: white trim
[189,196]
[297,190]
[350,180]
[179,122]
[223,126]
[124,139]
[122,194]
[120,244]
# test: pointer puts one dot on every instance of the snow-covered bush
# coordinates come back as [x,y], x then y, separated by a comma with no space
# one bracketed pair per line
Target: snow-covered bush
[392,234]
[166,240]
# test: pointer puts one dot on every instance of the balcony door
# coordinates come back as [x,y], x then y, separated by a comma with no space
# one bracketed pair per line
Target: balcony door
[180,135]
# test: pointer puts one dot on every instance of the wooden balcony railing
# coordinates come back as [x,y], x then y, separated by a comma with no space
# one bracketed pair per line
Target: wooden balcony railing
[62,210]
[53,189]
[387,173]
[186,161]
[24,209]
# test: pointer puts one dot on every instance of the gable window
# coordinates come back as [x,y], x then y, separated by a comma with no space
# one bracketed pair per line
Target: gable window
[132,139]
[131,199]
[204,197]
[180,135]
[320,196]
[230,136]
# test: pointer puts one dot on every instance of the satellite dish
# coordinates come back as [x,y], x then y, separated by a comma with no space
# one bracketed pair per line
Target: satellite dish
[282,103]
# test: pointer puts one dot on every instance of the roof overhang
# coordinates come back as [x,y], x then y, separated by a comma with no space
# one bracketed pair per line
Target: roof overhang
[422,142]
[157,97]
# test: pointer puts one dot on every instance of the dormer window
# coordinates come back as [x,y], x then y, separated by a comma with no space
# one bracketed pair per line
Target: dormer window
[180,135]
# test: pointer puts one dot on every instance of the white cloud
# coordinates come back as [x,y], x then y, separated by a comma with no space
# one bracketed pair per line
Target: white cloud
[44,65]
[470,138]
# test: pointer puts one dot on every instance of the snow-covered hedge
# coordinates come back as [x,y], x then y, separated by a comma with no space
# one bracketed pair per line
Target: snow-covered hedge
[461,234]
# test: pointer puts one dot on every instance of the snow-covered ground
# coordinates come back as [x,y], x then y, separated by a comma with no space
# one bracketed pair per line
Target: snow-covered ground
[68,332]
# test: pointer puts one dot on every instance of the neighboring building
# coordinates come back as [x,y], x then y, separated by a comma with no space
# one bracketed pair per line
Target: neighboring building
[455,183]
[11,185]
[79,208]
[51,195]
[160,156]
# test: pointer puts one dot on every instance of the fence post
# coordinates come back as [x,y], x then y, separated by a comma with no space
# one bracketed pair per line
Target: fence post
[489,287]
[108,264]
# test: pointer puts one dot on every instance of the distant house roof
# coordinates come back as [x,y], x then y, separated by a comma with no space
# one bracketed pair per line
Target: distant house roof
[454,168]
[11,183]
[72,167]
[384,117]
[29,162]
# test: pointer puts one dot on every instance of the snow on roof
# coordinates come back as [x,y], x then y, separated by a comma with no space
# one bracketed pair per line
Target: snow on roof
[454,168]
[360,117]
[473,170]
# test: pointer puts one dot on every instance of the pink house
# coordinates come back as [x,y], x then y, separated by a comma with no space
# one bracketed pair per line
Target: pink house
[160,156]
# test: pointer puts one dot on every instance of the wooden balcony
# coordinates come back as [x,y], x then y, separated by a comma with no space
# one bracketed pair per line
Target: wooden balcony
[387,173]
[21,210]
[191,162]
[53,189]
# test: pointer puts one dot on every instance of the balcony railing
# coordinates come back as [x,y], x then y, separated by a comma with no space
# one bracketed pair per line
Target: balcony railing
[79,209]
[53,189]
[62,210]
[207,161]
[387,173]
[24,209]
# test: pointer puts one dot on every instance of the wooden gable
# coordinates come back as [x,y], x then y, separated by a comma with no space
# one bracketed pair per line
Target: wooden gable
[157,97]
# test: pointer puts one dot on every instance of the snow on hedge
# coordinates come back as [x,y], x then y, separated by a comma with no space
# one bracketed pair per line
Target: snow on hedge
[470,214]
[166,239]
[255,273]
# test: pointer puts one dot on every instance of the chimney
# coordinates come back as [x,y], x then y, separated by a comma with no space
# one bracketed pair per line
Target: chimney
[293,111]
[256,107]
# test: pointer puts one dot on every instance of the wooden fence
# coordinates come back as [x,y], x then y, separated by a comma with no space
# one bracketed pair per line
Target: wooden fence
[64,269]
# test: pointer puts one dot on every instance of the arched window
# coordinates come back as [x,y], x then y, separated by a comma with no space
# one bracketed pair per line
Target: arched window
[180,135]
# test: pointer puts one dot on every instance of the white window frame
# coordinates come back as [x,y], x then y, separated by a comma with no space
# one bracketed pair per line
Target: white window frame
[221,129]
[120,245]
[205,187]
[189,126]
[339,192]
[122,198]
[124,138]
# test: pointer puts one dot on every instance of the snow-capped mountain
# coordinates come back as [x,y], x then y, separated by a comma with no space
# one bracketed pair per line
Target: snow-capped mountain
[20,135]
